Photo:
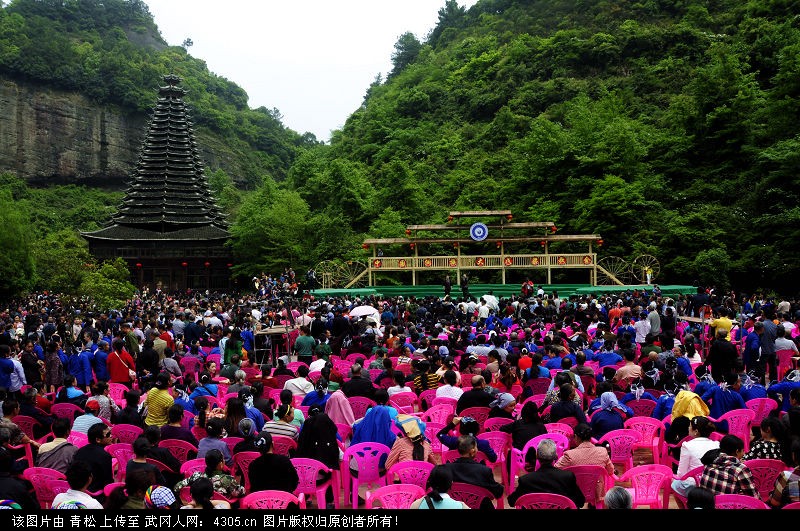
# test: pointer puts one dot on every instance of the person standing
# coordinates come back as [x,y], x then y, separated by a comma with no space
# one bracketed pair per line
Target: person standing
[448,285]
[768,352]
[465,286]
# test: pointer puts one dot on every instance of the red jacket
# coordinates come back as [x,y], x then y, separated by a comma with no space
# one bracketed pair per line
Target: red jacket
[117,370]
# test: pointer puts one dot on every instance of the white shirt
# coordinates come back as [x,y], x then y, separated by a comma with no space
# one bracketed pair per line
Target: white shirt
[299,386]
[397,389]
[692,451]
[317,365]
[78,496]
[642,328]
[449,391]
[781,343]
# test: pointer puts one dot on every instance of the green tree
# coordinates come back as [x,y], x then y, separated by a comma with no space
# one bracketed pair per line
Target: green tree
[406,50]
[16,260]
[107,285]
[61,259]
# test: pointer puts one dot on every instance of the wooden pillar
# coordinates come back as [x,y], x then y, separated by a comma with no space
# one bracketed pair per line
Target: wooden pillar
[414,269]
[547,259]
[503,259]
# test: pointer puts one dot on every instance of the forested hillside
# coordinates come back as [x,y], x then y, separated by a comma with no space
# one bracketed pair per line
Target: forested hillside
[670,127]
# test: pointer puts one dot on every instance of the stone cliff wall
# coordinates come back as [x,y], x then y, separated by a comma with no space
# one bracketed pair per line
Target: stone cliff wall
[55,137]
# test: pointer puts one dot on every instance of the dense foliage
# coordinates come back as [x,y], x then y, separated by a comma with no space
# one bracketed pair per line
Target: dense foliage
[670,127]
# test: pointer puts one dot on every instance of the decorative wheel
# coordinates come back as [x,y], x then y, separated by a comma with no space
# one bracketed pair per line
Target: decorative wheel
[352,274]
[613,270]
[326,272]
[645,268]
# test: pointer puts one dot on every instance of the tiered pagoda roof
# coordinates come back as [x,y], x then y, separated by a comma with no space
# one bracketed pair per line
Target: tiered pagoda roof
[169,198]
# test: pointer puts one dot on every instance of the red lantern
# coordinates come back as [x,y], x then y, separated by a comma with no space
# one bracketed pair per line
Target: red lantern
[600,242]
[408,232]
[230,264]
[542,243]
[412,245]
[455,245]
[138,265]
[499,244]
[509,217]
[364,246]
[185,264]
[553,228]
[449,218]
[207,264]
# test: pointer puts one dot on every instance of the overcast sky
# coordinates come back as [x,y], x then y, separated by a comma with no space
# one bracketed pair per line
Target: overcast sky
[313,60]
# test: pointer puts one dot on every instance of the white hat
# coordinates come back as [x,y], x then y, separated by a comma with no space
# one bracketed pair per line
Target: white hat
[208,313]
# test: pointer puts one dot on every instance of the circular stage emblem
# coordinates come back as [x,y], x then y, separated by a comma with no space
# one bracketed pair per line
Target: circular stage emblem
[452,262]
[377,264]
[427,262]
[508,261]
[562,260]
[478,232]
[402,263]
[535,261]
[480,262]
[587,260]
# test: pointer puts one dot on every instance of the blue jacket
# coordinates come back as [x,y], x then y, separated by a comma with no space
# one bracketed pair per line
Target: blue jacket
[663,406]
[100,365]
[784,388]
[80,366]
[6,368]
[721,401]
[607,358]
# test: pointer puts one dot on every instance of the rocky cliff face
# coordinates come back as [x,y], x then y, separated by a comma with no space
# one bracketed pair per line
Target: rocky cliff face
[54,137]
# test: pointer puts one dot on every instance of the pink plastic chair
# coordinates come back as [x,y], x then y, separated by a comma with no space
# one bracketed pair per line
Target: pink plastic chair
[216,358]
[784,359]
[66,410]
[41,478]
[765,472]
[196,465]
[426,398]
[761,407]
[111,487]
[231,442]
[560,427]
[282,445]
[537,399]
[594,481]
[411,472]
[188,417]
[793,505]
[542,500]
[740,422]
[182,450]
[500,442]
[431,429]
[125,433]
[404,402]
[308,471]
[642,408]
[473,495]
[447,400]
[539,385]
[480,414]
[695,473]
[344,431]
[650,430]
[360,405]
[495,423]
[518,456]
[122,452]
[116,391]
[241,466]
[440,414]
[27,425]
[738,501]
[650,485]
[367,456]
[621,443]
[272,499]
[399,496]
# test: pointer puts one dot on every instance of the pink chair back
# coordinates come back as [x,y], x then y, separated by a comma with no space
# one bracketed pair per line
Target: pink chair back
[122,452]
[194,465]
[283,445]
[738,501]
[399,496]
[539,385]
[761,408]
[216,358]
[561,428]
[116,392]
[26,424]
[695,473]
[344,431]
[42,478]
[188,416]
[366,456]
[537,399]
[66,410]
[360,405]
[78,439]
[272,499]
[404,402]
[125,433]
[158,464]
[411,472]
[765,472]
[431,429]
[440,414]
[594,481]
[650,485]
[446,400]
[642,408]
[472,495]
[231,442]
[494,424]
[784,358]
[480,414]
[426,398]
[308,470]
[739,424]
[241,466]
[622,444]
[542,500]
[650,432]
[181,450]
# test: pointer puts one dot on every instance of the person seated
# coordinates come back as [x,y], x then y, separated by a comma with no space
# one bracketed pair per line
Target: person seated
[610,416]
[412,445]
[358,385]
[222,482]
[79,477]
[271,471]
[439,483]
[724,397]
[466,469]
[787,486]
[618,498]
[83,422]
[566,405]
[692,452]
[201,490]
[58,453]
[547,478]
[13,488]
[585,452]
[503,406]
[726,473]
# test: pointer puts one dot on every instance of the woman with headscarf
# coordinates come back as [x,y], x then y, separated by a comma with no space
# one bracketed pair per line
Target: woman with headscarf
[338,409]
[503,406]
[319,396]
[412,445]
[610,416]
[319,439]
[526,427]
[247,431]
[667,400]
[376,426]
[637,392]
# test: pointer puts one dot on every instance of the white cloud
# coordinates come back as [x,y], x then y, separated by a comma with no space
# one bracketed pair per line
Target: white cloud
[313,60]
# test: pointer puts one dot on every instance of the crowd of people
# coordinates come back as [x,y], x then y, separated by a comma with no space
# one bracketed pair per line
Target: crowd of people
[191,367]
